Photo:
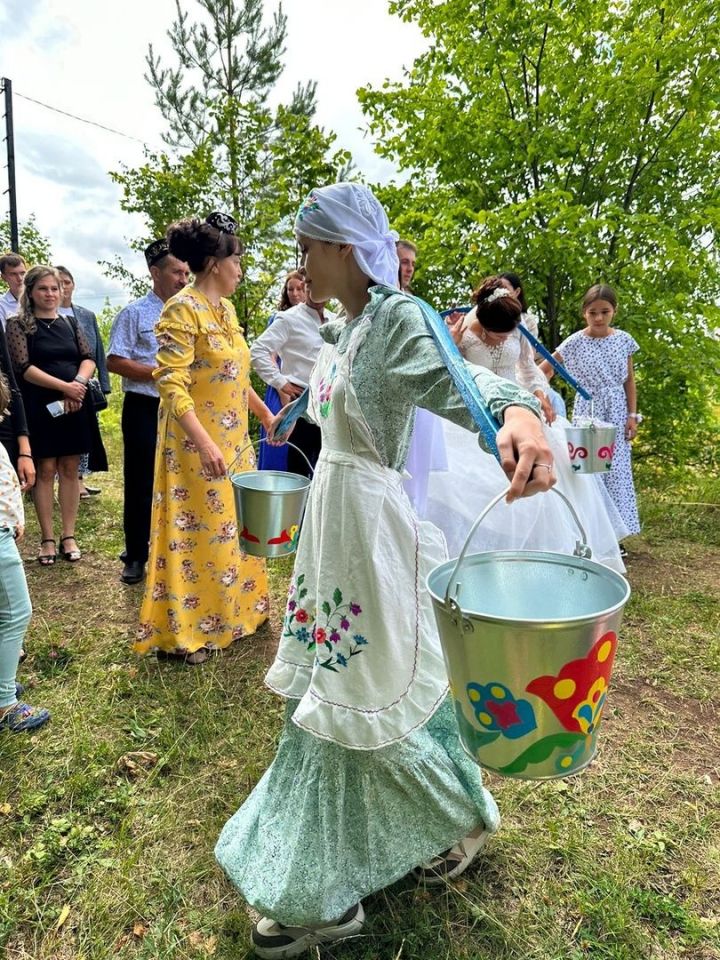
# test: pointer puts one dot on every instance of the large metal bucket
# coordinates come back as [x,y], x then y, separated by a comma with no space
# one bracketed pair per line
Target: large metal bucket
[591,447]
[529,640]
[269,505]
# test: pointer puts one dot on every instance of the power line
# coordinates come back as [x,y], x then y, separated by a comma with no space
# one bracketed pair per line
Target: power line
[74,116]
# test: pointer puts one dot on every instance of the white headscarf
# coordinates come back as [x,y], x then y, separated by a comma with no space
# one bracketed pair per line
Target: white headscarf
[350,213]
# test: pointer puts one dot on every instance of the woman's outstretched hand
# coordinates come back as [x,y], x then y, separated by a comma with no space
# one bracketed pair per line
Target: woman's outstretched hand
[280,440]
[524,454]
[454,324]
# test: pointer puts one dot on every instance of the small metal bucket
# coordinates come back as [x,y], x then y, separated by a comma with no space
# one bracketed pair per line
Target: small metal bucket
[269,505]
[529,640]
[591,447]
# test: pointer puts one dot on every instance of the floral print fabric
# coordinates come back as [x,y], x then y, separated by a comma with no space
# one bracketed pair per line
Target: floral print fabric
[600,364]
[202,590]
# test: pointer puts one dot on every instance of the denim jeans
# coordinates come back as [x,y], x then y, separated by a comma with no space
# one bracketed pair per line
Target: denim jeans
[15,612]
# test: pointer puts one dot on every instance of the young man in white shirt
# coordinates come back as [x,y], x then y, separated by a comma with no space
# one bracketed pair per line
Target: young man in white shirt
[12,269]
[294,336]
[407,255]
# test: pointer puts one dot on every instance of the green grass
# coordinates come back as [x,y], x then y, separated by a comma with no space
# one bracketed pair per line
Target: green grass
[108,817]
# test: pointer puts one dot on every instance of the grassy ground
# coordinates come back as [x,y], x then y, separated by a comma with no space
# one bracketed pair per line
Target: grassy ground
[109,816]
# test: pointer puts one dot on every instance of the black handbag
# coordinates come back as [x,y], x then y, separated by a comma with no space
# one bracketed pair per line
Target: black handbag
[98,400]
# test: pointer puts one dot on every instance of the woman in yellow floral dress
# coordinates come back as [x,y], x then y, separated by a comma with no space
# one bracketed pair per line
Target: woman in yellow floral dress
[202,591]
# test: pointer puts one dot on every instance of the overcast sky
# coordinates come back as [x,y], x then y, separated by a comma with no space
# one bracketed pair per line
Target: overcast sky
[88,58]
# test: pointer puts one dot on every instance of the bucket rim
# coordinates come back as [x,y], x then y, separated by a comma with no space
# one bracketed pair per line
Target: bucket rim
[306,481]
[550,556]
[589,428]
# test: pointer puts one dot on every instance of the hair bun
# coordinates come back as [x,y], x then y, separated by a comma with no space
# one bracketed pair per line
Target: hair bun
[183,238]
[498,309]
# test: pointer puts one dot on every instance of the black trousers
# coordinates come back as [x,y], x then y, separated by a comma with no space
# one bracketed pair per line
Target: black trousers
[306,436]
[139,430]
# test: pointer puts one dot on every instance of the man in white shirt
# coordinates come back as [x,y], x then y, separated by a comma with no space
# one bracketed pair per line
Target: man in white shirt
[131,354]
[12,269]
[294,336]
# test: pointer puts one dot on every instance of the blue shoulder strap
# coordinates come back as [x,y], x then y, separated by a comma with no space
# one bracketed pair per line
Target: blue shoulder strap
[457,368]
[296,409]
[555,364]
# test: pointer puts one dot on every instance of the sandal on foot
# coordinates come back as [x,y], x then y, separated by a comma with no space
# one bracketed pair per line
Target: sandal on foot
[47,559]
[72,555]
[21,717]
[193,659]
[454,861]
[272,940]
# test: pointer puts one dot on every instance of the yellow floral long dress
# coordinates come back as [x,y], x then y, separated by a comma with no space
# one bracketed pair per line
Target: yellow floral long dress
[202,590]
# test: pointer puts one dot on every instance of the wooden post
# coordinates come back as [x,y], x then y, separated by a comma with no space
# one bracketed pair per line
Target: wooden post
[10,141]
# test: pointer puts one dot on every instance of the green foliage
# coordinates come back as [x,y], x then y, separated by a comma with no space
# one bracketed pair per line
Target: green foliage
[227,149]
[573,143]
[33,246]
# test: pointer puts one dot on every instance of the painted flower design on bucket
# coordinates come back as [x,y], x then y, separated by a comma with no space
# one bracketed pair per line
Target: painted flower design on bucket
[573,755]
[497,710]
[577,694]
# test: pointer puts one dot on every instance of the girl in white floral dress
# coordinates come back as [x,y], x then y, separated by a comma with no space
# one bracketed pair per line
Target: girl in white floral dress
[600,359]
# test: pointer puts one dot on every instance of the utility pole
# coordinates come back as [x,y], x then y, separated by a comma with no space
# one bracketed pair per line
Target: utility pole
[10,141]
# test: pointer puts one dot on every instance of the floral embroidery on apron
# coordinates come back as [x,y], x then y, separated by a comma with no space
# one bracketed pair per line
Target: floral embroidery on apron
[359,645]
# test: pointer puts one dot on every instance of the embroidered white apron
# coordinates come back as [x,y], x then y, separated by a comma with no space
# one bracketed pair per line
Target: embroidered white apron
[359,645]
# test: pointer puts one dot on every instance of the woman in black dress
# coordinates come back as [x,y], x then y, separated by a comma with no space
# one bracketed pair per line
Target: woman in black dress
[53,363]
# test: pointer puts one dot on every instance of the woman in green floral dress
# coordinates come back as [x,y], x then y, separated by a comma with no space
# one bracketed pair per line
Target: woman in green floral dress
[370,779]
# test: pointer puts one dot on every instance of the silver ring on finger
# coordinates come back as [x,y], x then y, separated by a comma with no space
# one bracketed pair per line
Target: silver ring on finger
[548,466]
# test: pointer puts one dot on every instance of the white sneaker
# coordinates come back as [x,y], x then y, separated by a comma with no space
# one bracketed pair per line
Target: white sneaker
[454,861]
[271,939]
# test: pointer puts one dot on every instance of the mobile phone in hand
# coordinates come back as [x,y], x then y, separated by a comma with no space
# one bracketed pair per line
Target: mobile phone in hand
[56,408]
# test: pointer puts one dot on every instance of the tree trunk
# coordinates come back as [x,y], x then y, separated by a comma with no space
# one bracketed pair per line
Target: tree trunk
[552,318]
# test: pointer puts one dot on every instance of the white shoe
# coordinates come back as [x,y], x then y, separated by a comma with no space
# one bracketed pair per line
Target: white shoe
[272,940]
[454,861]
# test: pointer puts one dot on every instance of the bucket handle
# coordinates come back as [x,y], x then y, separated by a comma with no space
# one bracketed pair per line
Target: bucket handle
[258,442]
[581,547]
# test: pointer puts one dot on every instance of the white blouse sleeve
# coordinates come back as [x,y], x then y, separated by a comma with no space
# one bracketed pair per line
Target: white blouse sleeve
[529,375]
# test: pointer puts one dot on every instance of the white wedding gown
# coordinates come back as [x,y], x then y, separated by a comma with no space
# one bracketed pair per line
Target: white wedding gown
[456,495]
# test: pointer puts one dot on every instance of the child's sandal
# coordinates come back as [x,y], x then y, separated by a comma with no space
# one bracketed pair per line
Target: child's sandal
[21,717]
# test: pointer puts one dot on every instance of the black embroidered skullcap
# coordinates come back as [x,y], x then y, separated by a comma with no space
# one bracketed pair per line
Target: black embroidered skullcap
[156,251]
[222,222]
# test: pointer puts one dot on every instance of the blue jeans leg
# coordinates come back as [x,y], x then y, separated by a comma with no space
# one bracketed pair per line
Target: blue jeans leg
[15,613]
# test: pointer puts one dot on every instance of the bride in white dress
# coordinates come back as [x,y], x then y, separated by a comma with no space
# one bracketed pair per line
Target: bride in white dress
[489,337]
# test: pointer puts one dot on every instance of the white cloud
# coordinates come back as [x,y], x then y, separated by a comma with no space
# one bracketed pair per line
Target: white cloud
[88,58]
